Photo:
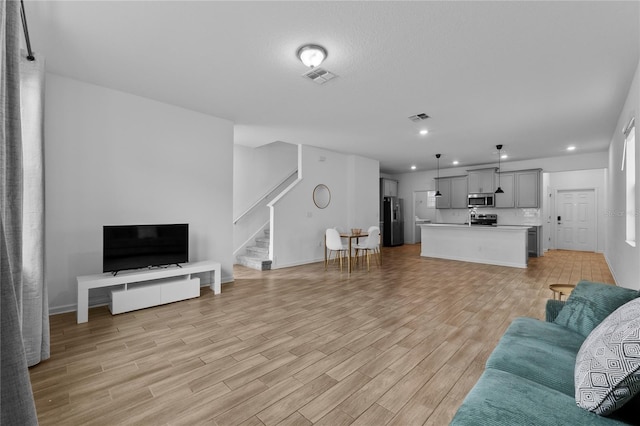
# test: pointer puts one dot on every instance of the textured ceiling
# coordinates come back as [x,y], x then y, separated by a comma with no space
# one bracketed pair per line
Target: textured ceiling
[533,76]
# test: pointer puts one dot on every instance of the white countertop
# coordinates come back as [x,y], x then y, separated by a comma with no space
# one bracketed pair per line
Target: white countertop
[478,227]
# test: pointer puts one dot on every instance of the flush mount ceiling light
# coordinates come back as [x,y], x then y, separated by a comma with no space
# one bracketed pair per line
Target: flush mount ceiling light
[424,132]
[312,55]
[571,148]
[499,190]
[413,167]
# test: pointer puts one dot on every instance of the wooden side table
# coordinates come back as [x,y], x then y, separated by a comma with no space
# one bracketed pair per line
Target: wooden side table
[560,290]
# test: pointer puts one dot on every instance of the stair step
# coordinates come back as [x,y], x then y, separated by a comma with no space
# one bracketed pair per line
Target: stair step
[262,242]
[254,263]
[259,252]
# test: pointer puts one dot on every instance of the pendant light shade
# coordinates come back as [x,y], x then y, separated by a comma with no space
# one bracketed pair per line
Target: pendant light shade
[438,194]
[499,190]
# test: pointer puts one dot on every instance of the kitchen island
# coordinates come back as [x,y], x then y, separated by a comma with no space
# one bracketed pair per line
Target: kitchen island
[494,245]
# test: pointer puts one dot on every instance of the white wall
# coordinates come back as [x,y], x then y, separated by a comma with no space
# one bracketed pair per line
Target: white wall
[298,225]
[113,158]
[364,192]
[421,181]
[257,170]
[623,259]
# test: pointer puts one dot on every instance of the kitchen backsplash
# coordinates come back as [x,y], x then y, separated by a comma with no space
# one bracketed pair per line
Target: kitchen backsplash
[531,217]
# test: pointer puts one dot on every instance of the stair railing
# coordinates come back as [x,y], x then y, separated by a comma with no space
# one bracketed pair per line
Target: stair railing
[265,196]
[244,245]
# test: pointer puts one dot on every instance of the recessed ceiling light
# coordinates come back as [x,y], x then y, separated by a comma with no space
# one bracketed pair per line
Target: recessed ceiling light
[413,167]
[571,148]
[424,131]
[503,156]
[455,163]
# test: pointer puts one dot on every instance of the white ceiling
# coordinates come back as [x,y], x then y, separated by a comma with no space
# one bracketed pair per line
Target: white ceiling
[533,76]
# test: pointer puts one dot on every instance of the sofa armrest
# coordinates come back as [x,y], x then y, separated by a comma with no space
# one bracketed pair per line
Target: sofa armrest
[553,309]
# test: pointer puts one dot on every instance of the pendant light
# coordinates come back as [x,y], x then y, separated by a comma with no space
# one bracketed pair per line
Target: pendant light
[499,190]
[438,194]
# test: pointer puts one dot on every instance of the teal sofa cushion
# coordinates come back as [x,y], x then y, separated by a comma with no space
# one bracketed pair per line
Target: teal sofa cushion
[607,373]
[542,352]
[501,398]
[552,309]
[590,303]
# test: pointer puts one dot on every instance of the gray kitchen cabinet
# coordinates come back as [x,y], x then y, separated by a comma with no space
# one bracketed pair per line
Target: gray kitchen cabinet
[534,241]
[481,180]
[454,192]
[507,183]
[459,192]
[527,188]
[444,186]
[389,187]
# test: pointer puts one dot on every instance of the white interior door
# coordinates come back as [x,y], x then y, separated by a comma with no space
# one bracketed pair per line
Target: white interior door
[576,220]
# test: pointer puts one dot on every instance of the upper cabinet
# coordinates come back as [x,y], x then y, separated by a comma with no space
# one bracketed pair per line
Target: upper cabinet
[521,189]
[506,181]
[481,180]
[444,186]
[454,192]
[528,188]
[459,192]
[389,187]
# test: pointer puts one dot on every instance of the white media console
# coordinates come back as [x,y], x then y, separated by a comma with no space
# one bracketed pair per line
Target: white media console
[150,287]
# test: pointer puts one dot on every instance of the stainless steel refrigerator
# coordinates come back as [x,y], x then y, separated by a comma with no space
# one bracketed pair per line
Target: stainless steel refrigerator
[393,222]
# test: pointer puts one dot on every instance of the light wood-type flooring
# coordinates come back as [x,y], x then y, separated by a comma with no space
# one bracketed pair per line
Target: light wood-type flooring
[399,345]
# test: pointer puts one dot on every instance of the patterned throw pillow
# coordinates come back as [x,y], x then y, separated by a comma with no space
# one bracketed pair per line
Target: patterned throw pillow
[607,373]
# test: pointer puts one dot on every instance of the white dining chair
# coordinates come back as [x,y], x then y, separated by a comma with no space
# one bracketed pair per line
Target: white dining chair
[334,244]
[371,245]
[377,250]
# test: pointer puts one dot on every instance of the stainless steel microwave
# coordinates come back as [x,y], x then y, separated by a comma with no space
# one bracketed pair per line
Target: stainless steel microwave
[481,200]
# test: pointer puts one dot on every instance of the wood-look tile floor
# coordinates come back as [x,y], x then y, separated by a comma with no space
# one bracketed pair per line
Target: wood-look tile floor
[399,345]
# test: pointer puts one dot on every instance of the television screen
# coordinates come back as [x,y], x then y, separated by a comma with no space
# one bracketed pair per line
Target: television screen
[141,246]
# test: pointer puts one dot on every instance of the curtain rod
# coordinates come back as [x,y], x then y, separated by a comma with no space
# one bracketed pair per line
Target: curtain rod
[23,15]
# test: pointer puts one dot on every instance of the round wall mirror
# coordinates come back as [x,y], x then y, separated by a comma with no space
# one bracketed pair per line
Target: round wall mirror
[321,196]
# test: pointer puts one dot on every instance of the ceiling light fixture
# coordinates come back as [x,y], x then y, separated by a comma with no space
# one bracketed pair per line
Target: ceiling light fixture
[413,167]
[424,131]
[438,194]
[312,55]
[504,156]
[499,190]
[455,163]
[571,148]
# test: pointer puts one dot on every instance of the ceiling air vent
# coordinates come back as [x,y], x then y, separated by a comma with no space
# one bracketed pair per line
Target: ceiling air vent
[418,117]
[319,75]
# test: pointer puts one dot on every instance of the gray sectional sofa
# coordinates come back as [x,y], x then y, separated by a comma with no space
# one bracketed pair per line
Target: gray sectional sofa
[529,377]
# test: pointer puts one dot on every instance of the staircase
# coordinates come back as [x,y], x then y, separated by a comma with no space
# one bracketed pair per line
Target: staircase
[257,257]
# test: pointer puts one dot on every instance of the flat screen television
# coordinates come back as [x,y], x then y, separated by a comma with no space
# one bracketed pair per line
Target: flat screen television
[142,246]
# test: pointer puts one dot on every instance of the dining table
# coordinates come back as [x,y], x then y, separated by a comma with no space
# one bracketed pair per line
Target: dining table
[349,236]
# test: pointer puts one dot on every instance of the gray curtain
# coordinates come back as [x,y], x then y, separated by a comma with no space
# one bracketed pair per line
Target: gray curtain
[16,397]
[35,305]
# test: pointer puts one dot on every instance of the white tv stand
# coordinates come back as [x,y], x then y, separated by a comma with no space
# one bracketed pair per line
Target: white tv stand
[151,287]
